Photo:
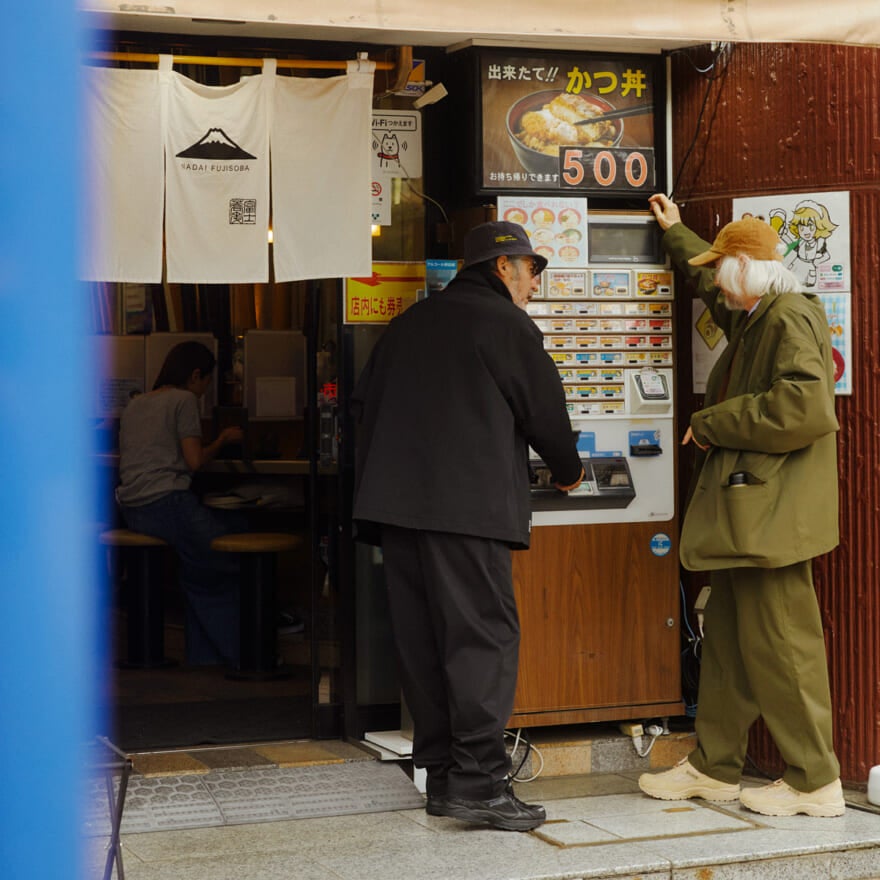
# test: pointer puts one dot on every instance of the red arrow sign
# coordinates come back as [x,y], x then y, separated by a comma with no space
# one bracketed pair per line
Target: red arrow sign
[376,279]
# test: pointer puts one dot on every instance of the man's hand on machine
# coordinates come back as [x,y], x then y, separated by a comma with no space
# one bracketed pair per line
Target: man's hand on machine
[574,485]
[665,210]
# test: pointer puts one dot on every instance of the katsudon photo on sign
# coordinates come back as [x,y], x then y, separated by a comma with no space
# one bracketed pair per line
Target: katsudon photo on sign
[536,109]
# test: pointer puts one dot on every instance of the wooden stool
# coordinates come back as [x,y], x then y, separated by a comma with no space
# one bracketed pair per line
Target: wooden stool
[143,597]
[257,552]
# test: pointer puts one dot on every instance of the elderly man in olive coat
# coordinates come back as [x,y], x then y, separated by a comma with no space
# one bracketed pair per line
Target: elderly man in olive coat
[763,504]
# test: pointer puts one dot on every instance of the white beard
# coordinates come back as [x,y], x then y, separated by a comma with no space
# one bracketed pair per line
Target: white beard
[734,301]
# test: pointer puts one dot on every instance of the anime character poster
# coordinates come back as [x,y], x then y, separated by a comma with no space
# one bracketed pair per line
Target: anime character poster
[815,230]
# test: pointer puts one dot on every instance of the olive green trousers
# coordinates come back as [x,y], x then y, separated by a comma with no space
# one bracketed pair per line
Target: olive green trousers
[764,655]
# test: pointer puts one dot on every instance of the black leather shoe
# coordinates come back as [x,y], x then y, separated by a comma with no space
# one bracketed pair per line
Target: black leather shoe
[506,811]
[435,805]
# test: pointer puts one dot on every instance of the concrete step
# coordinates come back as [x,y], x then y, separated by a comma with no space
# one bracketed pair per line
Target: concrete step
[597,748]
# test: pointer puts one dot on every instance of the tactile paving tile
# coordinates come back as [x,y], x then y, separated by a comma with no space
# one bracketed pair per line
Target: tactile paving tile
[236,797]
[153,805]
[308,792]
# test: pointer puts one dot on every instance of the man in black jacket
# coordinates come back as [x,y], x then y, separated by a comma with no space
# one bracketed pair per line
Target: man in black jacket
[452,397]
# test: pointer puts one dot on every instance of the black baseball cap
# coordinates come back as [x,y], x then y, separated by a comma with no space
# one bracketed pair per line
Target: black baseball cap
[499,238]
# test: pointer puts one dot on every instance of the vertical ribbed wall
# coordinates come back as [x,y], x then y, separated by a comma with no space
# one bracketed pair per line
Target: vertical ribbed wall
[785,118]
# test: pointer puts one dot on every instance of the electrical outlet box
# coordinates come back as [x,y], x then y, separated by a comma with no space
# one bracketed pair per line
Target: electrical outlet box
[631,728]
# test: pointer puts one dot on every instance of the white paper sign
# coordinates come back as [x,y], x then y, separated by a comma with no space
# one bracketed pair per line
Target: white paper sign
[397,144]
[838,309]
[557,227]
[707,343]
[380,192]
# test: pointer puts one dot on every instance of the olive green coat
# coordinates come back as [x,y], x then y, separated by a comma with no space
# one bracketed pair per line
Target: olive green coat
[775,421]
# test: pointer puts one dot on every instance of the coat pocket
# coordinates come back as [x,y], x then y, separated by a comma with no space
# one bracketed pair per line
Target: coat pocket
[740,524]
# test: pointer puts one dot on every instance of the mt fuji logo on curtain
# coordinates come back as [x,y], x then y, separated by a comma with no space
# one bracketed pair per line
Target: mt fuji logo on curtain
[150,124]
[215,144]
[216,190]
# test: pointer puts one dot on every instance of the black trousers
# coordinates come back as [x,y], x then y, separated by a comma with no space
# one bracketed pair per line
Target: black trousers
[456,629]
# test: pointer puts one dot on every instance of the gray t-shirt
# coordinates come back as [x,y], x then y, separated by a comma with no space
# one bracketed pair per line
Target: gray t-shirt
[151,462]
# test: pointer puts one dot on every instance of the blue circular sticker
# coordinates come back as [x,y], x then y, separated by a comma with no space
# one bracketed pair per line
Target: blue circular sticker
[660,544]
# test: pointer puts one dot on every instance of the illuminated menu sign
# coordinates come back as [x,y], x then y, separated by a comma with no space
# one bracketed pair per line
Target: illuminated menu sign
[578,123]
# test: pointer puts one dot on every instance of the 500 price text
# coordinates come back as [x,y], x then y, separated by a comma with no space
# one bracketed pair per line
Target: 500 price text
[604,169]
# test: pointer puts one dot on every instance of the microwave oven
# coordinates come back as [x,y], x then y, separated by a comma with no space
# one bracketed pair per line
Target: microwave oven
[626,237]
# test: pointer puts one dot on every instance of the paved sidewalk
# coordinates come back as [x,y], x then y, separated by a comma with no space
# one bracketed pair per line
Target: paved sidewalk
[599,826]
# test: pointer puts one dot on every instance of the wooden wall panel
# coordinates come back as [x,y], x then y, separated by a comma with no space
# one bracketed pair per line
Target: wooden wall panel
[600,625]
[785,118]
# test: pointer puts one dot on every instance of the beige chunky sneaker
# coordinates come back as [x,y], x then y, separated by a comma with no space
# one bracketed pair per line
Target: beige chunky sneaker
[685,781]
[780,799]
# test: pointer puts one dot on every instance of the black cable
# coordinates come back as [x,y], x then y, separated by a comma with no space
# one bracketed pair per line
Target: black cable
[690,659]
[702,70]
[524,737]
[709,81]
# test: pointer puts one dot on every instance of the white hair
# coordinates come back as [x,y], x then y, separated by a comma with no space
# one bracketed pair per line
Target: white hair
[756,278]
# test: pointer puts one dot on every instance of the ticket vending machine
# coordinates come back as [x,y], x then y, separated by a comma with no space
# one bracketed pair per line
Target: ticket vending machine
[598,592]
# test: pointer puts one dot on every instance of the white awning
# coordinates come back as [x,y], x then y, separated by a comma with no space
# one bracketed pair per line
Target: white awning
[625,25]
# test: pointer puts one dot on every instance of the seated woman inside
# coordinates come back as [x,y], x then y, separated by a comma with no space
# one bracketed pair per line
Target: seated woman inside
[160,447]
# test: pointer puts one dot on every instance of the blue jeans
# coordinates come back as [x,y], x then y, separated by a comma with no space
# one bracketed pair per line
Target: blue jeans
[209,580]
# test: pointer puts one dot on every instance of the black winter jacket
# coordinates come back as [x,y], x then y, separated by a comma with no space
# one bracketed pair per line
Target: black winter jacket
[453,394]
